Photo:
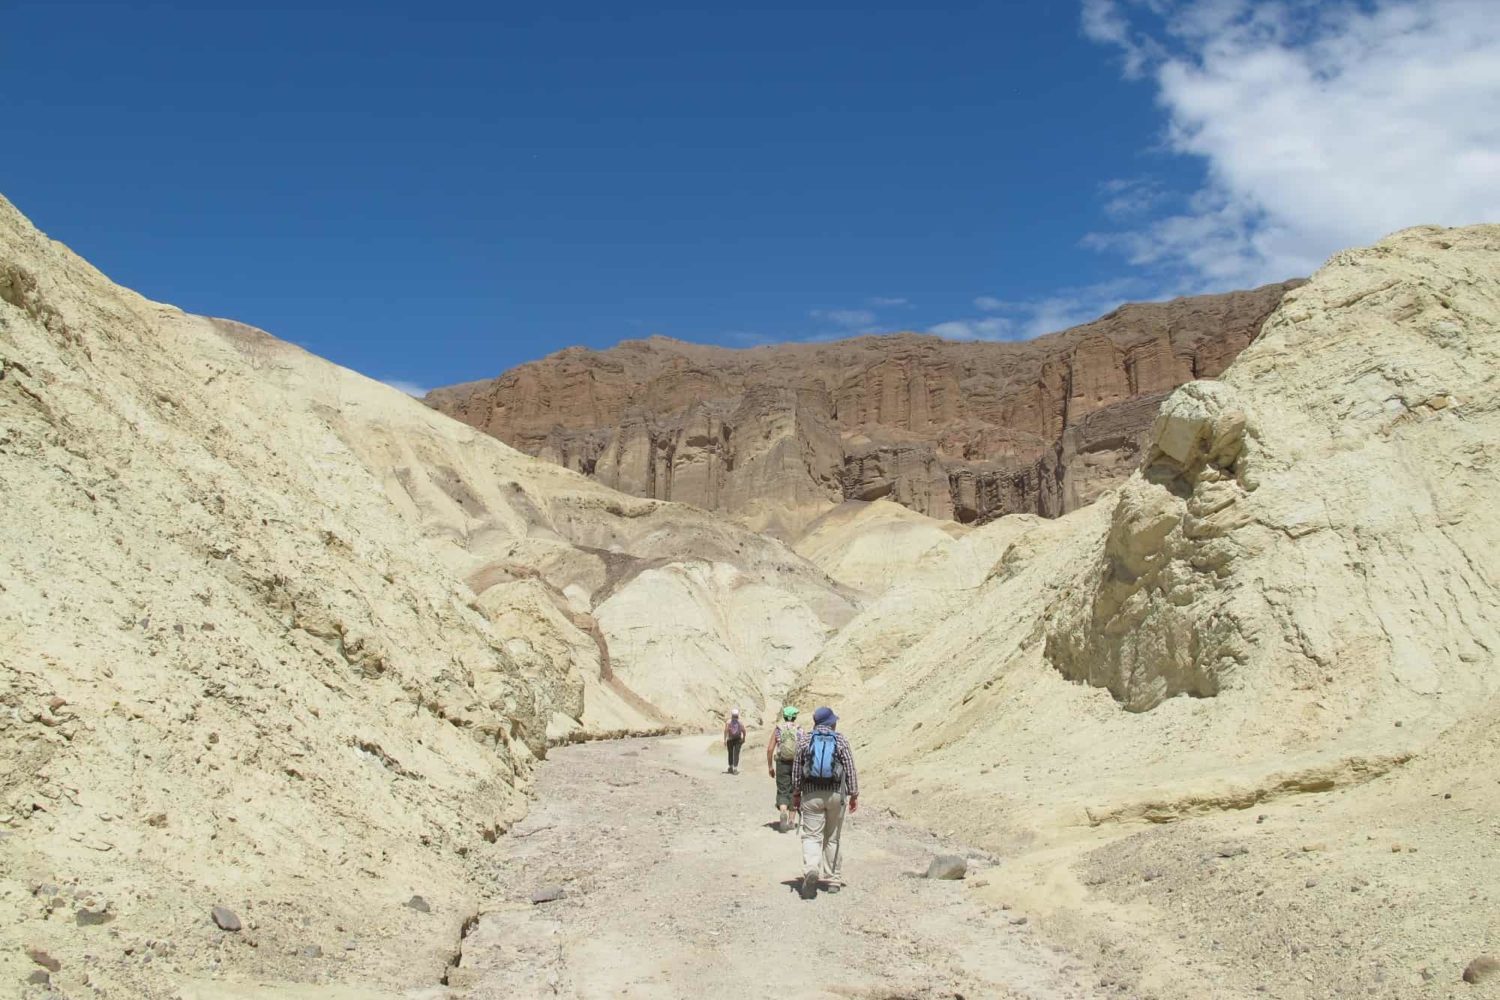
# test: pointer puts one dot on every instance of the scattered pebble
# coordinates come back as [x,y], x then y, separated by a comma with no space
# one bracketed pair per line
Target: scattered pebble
[43,959]
[86,917]
[311,951]
[1482,970]
[947,866]
[225,918]
[547,894]
[419,904]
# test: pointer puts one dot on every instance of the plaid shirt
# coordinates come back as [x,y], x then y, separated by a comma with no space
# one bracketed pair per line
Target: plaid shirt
[840,749]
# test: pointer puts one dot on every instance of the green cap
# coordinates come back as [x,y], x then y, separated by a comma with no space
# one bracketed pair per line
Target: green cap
[789,713]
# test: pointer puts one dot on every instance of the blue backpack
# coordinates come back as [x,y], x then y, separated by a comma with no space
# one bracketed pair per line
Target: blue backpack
[822,763]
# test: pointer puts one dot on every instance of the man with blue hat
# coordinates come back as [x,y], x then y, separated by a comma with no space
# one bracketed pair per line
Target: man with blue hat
[823,782]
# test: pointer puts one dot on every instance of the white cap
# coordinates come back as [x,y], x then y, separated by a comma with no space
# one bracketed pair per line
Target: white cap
[734,711]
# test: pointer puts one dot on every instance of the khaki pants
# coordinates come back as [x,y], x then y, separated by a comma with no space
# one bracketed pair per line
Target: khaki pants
[822,819]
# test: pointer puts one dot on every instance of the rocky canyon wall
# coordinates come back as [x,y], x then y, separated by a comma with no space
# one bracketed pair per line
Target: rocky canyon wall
[778,434]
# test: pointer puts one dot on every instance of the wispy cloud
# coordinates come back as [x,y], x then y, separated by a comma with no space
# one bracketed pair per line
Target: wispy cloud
[982,328]
[882,302]
[408,387]
[1321,125]
[850,319]
[1024,319]
[1128,198]
[750,338]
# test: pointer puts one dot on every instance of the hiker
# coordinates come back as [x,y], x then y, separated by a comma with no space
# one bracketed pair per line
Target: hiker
[781,750]
[823,782]
[734,738]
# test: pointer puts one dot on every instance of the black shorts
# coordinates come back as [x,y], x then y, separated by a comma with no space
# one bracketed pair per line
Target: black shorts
[783,783]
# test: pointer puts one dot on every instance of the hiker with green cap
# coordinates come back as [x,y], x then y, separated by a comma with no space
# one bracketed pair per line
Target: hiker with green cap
[780,752]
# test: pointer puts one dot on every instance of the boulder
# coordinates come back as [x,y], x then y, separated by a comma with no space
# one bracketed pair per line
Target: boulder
[948,866]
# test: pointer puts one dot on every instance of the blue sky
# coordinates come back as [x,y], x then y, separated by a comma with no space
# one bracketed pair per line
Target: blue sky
[432,193]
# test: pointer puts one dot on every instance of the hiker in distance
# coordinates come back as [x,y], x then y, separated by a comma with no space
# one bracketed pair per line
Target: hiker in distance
[823,783]
[781,750]
[734,739]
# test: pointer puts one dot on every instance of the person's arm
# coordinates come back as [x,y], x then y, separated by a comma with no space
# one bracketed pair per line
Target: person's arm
[797,773]
[770,749]
[851,776]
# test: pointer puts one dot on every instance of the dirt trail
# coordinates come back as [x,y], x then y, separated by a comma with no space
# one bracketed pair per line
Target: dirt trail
[677,884]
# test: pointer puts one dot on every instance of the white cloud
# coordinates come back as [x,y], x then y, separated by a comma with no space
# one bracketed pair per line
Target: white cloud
[989,303]
[1320,125]
[410,388]
[882,302]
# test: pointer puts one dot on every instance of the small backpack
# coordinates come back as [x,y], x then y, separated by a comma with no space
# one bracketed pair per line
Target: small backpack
[786,742]
[822,763]
[736,730]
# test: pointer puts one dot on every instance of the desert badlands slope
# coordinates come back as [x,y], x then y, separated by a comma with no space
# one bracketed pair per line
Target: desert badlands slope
[267,623]
[1252,694]
[278,638]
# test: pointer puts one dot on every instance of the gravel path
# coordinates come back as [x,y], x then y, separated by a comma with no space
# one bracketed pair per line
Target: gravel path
[676,884]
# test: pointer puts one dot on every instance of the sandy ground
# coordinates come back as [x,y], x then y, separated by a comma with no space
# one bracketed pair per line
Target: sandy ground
[676,884]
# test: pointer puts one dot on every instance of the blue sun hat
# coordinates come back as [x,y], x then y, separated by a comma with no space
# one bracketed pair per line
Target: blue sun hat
[824,717]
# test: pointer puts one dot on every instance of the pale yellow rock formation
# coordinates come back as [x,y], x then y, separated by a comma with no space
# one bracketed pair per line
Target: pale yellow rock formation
[870,546]
[275,637]
[1295,595]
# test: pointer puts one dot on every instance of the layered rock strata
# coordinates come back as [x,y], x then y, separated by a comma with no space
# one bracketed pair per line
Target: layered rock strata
[778,434]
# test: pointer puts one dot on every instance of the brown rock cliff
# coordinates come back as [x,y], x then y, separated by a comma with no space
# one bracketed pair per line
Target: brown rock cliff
[957,430]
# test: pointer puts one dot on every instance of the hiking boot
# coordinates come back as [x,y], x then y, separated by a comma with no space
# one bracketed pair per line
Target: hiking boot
[810,885]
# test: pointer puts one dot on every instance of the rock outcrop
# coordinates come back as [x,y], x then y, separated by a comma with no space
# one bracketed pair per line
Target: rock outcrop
[956,431]
[1281,632]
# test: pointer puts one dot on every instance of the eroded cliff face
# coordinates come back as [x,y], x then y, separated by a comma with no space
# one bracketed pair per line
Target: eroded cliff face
[777,435]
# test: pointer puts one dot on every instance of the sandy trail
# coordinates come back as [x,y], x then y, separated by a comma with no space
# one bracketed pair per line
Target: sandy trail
[678,885]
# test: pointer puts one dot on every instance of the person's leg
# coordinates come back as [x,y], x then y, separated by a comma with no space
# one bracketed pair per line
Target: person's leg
[734,754]
[784,792]
[813,806]
[833,824]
